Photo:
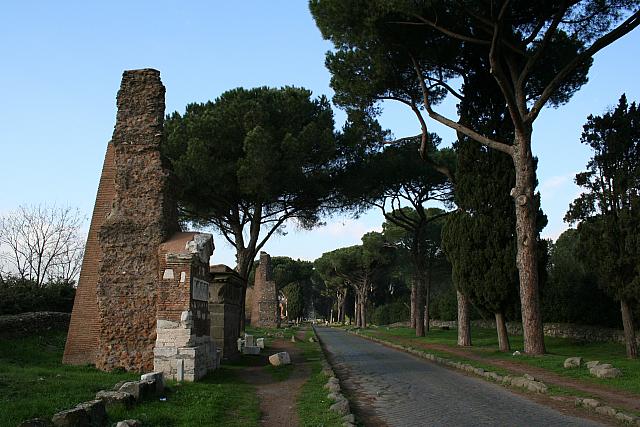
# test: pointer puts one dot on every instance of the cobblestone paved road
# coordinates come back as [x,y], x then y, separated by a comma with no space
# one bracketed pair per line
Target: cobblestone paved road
[407,391]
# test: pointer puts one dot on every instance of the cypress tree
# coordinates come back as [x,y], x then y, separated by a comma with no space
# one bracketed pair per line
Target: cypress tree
[480,237]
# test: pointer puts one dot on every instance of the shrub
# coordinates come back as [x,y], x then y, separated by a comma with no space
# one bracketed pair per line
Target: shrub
[390,313]
[21,296]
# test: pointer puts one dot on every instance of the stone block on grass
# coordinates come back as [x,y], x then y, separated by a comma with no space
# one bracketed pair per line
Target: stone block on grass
[248,340]
[251,349]
[96,411]
[341,407]
[157,378]
[573,362]
[115,398]
[279,359]
[76,417]
[602,371]
[606,410]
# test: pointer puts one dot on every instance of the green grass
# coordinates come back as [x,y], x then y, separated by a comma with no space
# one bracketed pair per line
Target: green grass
[280,373]
[220,398]
[485,344]
[34,383]
[313,403]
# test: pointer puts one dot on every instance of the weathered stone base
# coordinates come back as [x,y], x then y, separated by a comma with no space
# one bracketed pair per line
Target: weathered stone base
[181,355]
[225,328]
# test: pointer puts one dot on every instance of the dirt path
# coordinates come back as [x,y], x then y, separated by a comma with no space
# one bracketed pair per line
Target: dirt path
[278,398]
[615,398]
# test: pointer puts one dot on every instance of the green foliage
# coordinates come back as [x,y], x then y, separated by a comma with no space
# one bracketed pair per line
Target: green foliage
[538,53]
[295,300]
[387,314]
[609,208]
[376,43]
[300,278]
[444,305]
[572,294]
[250,160]
[20,296]
[358,264]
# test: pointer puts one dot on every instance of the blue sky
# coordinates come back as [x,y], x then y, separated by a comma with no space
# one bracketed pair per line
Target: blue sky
[62,64]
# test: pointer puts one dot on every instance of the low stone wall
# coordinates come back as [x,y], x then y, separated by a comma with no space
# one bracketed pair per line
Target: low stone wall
[558,330]
[24,324]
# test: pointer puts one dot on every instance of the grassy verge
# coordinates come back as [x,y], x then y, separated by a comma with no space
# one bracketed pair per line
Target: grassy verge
[485,345]
[280,373]
[313,403]
[35,383]
[220,398]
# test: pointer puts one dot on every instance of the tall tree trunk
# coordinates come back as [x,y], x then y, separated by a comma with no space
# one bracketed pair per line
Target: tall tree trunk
[357,310]
[363,309]
[527,258]
[629,331]
[464,321]
[344,307]
[413,304]
[503,337]
[427,299]
[419,308]
[243,268]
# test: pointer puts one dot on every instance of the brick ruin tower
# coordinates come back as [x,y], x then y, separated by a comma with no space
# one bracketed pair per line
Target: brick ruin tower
[264,312]
[130,282]
[82,338]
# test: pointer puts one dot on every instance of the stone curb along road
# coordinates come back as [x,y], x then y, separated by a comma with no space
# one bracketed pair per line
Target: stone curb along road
[341,405]
[527,382]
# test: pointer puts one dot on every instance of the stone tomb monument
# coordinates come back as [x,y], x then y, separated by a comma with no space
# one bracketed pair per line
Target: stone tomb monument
[264,312]
[126,288]
[184,350]
[225,296]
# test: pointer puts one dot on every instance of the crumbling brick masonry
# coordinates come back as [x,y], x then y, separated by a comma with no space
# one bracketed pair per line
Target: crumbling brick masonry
[125,290]
[265,297]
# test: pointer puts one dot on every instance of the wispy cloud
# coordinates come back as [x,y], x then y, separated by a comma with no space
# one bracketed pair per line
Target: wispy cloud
[348,228]
[556,185]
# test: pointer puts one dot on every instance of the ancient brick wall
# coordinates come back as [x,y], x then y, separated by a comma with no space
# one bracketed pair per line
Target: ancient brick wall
[265,297]
[142,217]
[82,338]
[225,295]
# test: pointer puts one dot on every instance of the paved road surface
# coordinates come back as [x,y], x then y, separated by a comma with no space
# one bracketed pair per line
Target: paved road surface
[407,391]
